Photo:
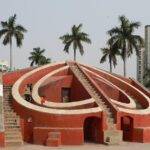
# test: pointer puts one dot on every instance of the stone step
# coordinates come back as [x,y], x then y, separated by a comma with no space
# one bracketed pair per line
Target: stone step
[7,118]
[112,137]
[8,114]
[12,132]
[7,107]
[14,142]
[9,110]
[7,89]
[110,120]
[7,97]
[13,115]
[6,92]
[109,114]
[13,129]
[17,123]
[10,126]
[13,136]
[6,100]
[12,120]
[7,104]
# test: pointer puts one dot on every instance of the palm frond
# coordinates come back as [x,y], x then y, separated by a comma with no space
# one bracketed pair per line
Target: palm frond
[79,27]
[4,24]
[134,25]
[2,32]
[20,28]
[81,50]
[6,39]
[86,39]
[12,20]
[105,51]
[66,48]
[103,59]
[19,36]
[115,30]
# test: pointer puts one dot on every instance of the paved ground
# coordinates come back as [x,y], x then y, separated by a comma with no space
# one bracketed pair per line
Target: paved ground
[87,146]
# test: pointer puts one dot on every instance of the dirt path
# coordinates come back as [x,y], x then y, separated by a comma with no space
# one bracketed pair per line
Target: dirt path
[87,146]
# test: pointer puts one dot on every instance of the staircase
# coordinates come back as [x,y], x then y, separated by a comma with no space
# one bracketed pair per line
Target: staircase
[111,136]
[13,136]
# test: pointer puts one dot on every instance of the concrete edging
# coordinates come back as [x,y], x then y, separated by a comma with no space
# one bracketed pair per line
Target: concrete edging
[18,98]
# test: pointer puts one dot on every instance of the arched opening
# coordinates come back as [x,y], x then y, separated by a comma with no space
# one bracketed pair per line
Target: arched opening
[92,130]
[127,127]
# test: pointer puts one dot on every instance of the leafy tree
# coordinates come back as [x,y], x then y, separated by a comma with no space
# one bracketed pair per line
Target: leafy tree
[10,30]
[45,60]
[75,38]
[110,52]
[125,38]
[147,76]
[37,57]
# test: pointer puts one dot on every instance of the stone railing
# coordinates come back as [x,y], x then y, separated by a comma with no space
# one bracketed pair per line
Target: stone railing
[1,106]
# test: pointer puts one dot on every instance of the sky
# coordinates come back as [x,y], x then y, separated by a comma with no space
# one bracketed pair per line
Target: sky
[47,20]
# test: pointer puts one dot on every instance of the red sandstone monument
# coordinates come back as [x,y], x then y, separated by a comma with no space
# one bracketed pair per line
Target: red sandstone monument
[83,103]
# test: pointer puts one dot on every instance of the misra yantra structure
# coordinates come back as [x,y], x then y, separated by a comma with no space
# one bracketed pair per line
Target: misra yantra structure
[83,103]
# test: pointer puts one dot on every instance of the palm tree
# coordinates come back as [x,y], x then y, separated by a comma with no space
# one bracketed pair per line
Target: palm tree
[45,60]
[125,38]
[36,56]
[75,38]
[147,77]
[10,30]
[111,51]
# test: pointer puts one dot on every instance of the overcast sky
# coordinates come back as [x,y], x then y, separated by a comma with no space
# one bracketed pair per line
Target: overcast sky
[47,20]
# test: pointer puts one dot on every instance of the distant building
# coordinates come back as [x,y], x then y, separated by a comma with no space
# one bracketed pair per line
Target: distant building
[3,65]
[140,66]
[143,60]
[146,59]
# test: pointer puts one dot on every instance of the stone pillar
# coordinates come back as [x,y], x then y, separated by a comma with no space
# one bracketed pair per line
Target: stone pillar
[2,130]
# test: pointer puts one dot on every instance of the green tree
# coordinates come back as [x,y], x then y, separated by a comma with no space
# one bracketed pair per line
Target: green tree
[45,60]
[127,41]
[110,52]
[37,57]
[10,30]
[75,38]
[147,77]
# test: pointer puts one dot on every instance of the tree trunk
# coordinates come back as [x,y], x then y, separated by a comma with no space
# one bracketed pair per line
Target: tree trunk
[110,67]
[110,64]
[11,61]
[74,55]
[124,61]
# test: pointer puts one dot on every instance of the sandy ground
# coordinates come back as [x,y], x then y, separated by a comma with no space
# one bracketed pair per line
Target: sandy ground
[87,146]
